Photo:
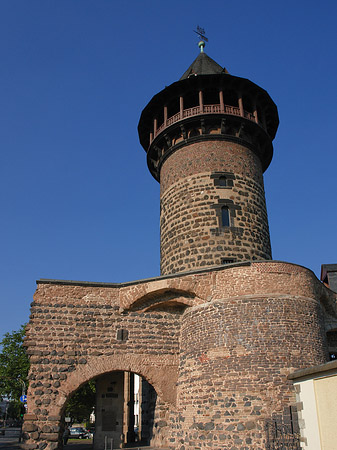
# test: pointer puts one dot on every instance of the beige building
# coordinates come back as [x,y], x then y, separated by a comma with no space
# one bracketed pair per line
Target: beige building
[316,393]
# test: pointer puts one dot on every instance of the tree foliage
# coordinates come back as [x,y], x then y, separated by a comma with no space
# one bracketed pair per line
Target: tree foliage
[82,403]
[14,364]
[15,410]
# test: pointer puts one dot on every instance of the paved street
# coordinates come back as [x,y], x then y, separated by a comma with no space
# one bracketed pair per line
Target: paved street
[10,441]
[12,444]
[10,438]
[79,445]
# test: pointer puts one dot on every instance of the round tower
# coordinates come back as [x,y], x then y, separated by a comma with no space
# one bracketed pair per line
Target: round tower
[208,139]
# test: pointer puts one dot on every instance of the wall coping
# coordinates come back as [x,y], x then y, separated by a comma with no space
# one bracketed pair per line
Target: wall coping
[322,369]
[168,276]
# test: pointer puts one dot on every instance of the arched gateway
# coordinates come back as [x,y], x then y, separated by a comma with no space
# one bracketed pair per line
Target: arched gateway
[153,370]
[220,331]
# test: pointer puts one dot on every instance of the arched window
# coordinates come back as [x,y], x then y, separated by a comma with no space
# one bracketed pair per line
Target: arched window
[225,218]
[222,180]
[194,132]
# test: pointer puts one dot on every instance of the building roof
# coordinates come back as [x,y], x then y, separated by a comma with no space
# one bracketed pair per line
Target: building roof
[329,276]
[203,65]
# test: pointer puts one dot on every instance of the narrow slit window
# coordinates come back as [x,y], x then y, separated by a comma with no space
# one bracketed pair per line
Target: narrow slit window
[225,218]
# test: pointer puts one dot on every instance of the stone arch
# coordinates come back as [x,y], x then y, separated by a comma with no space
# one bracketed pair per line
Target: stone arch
[214,129]
[185,293]
[177,138]
[194,132]
[164,298]
[162,377]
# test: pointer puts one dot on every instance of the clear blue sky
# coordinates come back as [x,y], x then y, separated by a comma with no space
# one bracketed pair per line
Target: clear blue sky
[77,200]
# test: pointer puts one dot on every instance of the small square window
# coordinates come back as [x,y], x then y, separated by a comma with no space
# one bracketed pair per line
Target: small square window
[122,334]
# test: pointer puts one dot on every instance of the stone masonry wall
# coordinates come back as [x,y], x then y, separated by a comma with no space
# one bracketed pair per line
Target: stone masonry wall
[244,343]
[216,345]
[73,336]
[192,234]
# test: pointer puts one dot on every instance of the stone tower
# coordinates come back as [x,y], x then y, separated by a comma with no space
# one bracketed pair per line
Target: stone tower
[208,139]
[216,337]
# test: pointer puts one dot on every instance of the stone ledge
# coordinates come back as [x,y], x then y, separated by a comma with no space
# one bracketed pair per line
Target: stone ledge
[320,370]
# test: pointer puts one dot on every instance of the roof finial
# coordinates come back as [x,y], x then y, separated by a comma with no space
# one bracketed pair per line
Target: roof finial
[203,39]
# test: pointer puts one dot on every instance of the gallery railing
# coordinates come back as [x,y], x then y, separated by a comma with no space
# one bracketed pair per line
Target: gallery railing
[206,109]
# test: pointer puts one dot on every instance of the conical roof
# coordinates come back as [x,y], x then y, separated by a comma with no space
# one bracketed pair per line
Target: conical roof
[203,65]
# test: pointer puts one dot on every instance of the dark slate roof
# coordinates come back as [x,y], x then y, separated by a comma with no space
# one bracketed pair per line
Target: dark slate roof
[203,65]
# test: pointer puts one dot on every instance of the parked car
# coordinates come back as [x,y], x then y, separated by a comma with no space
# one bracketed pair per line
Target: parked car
[91,431]
[78,433]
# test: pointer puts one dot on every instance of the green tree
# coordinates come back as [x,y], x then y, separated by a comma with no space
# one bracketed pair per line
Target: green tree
[82,403]
[15,410]
[14,365]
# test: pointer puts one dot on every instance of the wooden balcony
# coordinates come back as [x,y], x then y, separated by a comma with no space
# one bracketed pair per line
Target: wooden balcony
[205,109]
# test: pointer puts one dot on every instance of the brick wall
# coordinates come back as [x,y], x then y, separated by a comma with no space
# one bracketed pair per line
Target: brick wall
[216,345]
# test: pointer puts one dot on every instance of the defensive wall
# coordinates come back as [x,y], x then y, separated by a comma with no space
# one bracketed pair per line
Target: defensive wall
[216,344]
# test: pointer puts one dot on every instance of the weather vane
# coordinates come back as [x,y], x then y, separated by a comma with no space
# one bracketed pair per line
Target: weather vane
[201,33]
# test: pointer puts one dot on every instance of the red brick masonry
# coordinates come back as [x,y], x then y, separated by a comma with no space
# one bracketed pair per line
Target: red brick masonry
[217,345]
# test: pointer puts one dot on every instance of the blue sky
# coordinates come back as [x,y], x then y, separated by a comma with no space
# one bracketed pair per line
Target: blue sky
[77,200]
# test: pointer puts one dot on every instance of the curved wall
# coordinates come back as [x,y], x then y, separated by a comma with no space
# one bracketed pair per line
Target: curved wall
[192,232]
[235,356]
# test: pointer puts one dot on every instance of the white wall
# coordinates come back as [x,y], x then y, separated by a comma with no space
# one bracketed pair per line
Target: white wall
[317,408]
[308,419]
